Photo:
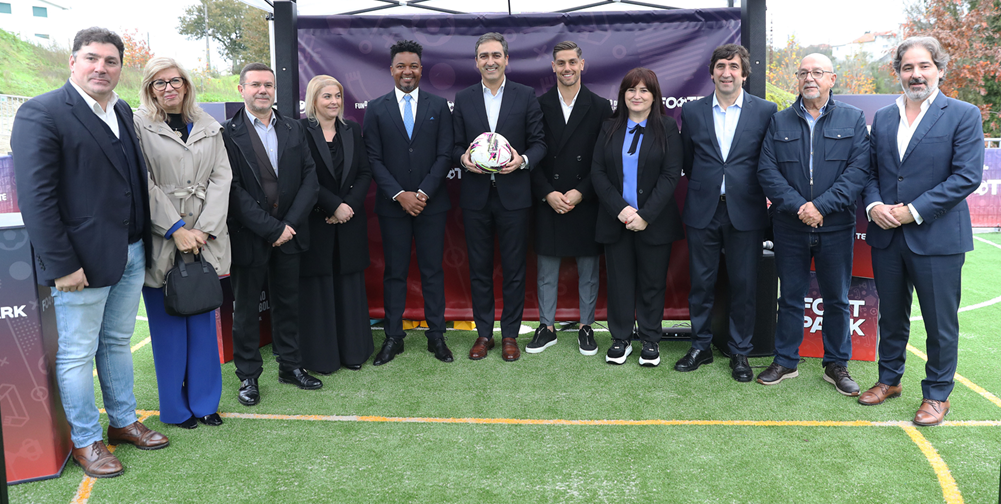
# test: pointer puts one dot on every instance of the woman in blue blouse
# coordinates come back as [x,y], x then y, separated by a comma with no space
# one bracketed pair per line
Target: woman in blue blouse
[636,166]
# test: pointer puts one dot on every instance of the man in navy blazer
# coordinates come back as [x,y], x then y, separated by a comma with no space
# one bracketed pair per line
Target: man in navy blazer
[927,157]
[81,186]
[497,203]
[408,135]
[721,136]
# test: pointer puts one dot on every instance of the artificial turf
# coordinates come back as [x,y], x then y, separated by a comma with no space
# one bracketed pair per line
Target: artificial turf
[345,460]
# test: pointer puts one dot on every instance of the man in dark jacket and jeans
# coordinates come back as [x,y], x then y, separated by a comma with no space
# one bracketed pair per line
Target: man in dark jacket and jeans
[814,163]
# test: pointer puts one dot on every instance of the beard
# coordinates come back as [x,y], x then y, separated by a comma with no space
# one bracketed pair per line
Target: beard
[259,109]
[930,88]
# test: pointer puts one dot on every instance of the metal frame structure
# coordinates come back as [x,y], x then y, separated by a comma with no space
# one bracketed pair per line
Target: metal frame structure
[753,32]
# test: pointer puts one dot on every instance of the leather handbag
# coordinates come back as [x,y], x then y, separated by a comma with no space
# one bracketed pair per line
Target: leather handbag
[191,289]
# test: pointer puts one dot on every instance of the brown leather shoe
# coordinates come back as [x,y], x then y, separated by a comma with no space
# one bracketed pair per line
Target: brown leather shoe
[931,412]
[97,461]
[139,435]
[879,393]
[480,348]
[509,350]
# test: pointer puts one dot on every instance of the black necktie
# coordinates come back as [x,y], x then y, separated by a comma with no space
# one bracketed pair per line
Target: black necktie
[637,131]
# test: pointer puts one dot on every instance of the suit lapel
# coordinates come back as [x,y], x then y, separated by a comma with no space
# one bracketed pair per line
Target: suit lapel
[347,142]
[316,135]
[891,135]
[95,127]
[645,145]
[931,116]
[240,133]
[576,116]
[422,113]
[707,113]
[481,108]
[394,114]
[507,103]
[282,132]
[744,113]
[618,140]
[553,115]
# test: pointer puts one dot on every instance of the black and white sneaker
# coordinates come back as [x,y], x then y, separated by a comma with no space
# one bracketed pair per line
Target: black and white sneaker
[585,340]
[618,352]
[650,356]
[543,339]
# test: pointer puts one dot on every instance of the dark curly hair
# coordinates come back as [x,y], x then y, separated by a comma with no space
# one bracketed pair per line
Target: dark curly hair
[405,46]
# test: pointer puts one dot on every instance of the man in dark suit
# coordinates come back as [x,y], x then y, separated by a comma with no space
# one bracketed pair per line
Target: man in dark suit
[814,163]
[274,189]
[408,135]
[927,157]
[81,186]
[722,137]
[497,203]
[566,207]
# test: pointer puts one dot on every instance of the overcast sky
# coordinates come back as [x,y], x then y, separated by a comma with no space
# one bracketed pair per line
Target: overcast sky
[832,23]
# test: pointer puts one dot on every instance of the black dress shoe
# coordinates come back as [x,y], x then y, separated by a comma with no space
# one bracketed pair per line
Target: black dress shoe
[693,359]
[741,369]
[390,348]
[249,395]
[299,378]
[212,420]
[440,350]
[353,367]
[190,423]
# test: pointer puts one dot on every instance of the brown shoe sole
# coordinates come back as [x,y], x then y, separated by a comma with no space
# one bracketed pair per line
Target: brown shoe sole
[115,442]
[891,396]
[939,422]
[88,473]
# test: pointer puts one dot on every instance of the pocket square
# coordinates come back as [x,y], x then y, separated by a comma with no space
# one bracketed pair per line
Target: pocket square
[432,118]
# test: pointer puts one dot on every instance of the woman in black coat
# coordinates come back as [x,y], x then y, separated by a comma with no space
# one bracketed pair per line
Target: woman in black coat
[333,307]
[636,166]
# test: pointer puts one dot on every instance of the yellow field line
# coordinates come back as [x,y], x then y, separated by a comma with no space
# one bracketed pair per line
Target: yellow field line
[962,379]
[949,489]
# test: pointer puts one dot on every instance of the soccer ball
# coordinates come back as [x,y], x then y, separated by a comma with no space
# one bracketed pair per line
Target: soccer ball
[490,152]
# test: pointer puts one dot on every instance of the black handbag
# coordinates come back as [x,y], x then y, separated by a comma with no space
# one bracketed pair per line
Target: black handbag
[191,289]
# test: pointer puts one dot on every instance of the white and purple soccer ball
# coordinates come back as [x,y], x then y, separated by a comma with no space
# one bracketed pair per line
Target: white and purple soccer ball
[490,152]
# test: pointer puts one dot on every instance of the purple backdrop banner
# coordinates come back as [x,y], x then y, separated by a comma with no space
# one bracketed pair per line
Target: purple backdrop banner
[675,44]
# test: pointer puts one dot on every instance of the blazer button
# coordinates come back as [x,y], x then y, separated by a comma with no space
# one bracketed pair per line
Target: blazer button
[125,222]
[411,149]
[556,176]
[640,191]
[899,179]
[578,158]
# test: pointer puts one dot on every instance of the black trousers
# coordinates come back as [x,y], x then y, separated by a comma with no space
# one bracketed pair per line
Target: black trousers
[428,231]
[282,275]
[511,229]
[637,281]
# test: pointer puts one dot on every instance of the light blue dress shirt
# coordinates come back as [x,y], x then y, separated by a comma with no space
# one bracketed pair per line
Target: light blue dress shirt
[725,122]
[630,164]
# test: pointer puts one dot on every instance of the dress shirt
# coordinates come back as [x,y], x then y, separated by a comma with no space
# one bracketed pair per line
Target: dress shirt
[813,122]
[725,122]
[568,109]
[630,164]
[108,115]
[268,137]
[493,105]
[904,133]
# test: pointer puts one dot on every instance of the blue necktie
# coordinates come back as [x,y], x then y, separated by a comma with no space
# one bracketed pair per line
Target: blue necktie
[408,117]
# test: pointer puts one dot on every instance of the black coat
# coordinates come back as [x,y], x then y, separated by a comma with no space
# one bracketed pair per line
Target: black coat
[252,229]
[567,165]
[74,197]
[658,172]
[338,248]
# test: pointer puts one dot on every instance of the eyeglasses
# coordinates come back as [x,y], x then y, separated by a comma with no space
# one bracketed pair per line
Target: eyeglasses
[817,74]
[175,83]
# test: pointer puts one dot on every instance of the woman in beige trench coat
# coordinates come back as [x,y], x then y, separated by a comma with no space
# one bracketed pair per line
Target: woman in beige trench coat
[189,178]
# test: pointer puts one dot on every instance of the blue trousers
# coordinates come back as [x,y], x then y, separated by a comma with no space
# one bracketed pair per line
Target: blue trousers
[186,356]
[832,254]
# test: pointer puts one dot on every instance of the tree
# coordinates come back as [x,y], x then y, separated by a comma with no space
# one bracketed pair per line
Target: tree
[854,76]
[970,31]
[137,51]
[782,66]
[238,29]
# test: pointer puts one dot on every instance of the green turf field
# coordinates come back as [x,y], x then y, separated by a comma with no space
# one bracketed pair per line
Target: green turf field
[560,427]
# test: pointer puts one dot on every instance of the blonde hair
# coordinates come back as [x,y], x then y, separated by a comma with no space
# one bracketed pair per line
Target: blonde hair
[316,84]
[189,110]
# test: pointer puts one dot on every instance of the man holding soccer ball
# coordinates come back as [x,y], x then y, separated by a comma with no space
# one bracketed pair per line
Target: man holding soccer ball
[497,203]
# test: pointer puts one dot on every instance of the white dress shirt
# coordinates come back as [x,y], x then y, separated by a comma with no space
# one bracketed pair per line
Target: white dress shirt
[568,109]
[905,132]
[492,103]
[107,116]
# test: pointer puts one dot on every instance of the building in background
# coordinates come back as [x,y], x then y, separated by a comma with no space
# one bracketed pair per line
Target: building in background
[35,20]
[876,44]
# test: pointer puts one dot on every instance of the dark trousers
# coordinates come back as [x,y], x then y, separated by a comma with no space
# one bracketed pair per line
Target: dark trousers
[637,281]
[282,275]
[743,249]
[898,273]
[832,254]
[186,357]
[511,229]
[428,231]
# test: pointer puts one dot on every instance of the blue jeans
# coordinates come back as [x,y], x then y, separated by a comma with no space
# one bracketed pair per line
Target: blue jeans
[832,254]
[98,323]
